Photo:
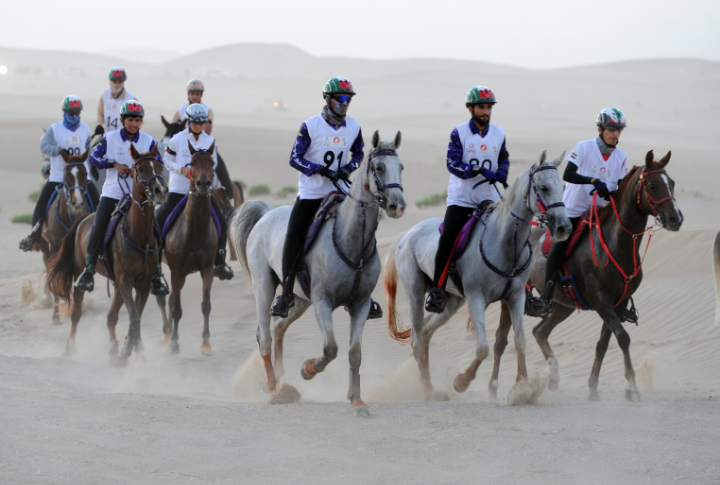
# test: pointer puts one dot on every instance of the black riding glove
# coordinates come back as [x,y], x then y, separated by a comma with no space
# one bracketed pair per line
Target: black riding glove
[602,189]
[99,130]
[344,173]
[327,173]
[94,172]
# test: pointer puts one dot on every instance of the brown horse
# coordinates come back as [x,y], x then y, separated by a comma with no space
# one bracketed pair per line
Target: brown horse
[606,266]
[190,246]
[70,203]
[132,253]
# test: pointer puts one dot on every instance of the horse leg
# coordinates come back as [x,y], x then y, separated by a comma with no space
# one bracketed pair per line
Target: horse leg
[125,287]
[500,343]
[542,333]
[476,305]
[207,277]
[607,313]
[358,317]
[56,310]
[178,282]
[600,350]
[112,319]
[167,327]
[70,346]
[264,289]
[415,297]
[323,313]
[141,297]
[281,327]
[517,311]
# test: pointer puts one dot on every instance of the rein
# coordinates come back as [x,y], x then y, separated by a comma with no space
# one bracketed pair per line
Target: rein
[66,192]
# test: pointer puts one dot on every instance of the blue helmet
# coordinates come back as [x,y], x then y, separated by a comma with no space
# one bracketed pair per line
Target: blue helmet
[197,113]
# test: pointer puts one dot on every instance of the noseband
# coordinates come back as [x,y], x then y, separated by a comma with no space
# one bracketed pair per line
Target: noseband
[145,182]
[642,188]
[538,198]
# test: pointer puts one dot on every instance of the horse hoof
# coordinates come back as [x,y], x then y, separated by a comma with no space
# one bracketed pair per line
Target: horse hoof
[436,396]
[206,349]
[174,348]
[119,361]
[165,339]
[554,385]
[632,396]
[307,372]
[287,394]
[492,394]
[55,321]
[593,397]
[70,348]
[461,383]
[360,410]
[113,348]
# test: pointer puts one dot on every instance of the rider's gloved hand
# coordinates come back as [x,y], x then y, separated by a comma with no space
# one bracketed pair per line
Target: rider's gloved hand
[344,173]
[99,130]
[602,189]
[327,173]
[45,170]
[490,175]
[501,176]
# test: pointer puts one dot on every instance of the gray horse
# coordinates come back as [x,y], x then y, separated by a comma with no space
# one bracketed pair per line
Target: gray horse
[497,271]
[259,234]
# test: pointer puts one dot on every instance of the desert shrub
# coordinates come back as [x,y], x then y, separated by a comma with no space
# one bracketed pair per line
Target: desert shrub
[286,191]
[23,219]
[431,200]
[259,190]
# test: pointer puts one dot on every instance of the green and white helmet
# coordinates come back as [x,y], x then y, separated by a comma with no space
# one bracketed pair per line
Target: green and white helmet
[132,108]
[72,104]
[338,85]
[611,117]
[480,94]
[117,74]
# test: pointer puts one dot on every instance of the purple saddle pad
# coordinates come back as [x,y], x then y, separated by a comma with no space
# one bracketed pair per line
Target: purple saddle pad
[466,231]
[176,212]
[320,216]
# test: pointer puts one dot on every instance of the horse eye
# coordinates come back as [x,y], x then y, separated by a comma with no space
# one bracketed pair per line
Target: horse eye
[379,168]
[544,188]
[652,186]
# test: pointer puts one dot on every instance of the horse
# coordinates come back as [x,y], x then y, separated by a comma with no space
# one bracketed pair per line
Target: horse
[70,202]
[132,255]
[343,263]
[716,271]
[615,235]
[190,246]
[496,271]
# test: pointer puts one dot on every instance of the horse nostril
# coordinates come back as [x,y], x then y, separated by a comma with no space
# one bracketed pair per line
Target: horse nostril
[392,207]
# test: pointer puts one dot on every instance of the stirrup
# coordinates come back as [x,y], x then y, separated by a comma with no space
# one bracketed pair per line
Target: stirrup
[85,281]
[159,285]
[435,302]
[538,306]
[223,271]
[281,305]
[30,243]
[376,310]
[630,314]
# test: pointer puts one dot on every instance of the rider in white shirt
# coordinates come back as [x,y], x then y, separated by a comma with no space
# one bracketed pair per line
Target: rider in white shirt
[177,160]
[594,165]
[112,99]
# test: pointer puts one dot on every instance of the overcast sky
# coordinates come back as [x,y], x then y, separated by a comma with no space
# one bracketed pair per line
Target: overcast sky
[529,33]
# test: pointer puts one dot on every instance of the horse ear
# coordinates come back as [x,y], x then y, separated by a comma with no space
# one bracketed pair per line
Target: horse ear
[192,150]
[543,157]
[376,139]
[164,121]
[154,151]
[559,159]
[665,160]
[182,124]
[84,156]
[65,156]
[649,160]
[212,148]
[398,140]
[134,153]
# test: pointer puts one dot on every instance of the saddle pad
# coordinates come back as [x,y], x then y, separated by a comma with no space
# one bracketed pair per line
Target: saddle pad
[325,211]
[176,212]
[577,233]
[466,231]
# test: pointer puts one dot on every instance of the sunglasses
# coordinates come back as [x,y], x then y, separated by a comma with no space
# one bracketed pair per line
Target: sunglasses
[612,129]
[343,99]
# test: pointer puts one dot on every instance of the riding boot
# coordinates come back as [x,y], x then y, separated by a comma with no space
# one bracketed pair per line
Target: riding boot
[376,310]
[159,285]
[282,304]
[32,242]
[222,269]
[85,281]
[435,302]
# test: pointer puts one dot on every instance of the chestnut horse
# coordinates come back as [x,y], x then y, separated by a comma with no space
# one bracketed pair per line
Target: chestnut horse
[190,246]
[606,266]
[132,253]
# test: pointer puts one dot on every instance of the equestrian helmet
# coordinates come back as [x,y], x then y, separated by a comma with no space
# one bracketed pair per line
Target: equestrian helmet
[132,108]
[197,113]
[117,74]
[611,117]
[72,104]
[480,94]
[195,85]
[338,85]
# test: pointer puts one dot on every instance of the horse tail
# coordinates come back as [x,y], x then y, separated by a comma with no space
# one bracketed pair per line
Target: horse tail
[61,267]
[716,267]
[242,223]
[391,284]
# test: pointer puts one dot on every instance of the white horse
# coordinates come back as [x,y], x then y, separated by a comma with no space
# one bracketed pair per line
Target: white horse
[343,263]
[498,270]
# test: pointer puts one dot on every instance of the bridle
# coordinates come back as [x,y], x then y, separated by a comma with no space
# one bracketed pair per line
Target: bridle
[542,206]
[190,164]
[68,198]
[150,199]
[642,189]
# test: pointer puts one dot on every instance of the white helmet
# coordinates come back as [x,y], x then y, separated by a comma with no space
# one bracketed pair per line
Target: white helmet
[197,113]
[195,85]
[611,117]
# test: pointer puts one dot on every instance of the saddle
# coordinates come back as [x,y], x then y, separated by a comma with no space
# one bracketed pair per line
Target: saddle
[104,257]
[178,210]
[327,210]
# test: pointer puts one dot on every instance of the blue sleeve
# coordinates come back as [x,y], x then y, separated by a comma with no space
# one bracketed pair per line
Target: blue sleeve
[159,155]
[302,143]
[98,159]
[455,164]
[357,152]
[504,159]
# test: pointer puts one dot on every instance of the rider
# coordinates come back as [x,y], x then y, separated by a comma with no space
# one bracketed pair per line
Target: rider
[476,154]
[328,148]
[108,116]
[71,136]
[177,160]
[195,89]
[594,165]
[118,184]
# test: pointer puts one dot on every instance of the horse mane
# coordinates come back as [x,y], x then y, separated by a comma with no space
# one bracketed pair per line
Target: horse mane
[622,191]
[508,196]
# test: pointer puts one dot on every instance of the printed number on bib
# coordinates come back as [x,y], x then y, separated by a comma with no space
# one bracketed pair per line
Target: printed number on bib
[73,151]
[112,123]
[329,158]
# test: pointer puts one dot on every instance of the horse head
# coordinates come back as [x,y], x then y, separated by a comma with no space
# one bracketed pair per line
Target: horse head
[386,182]
[545,191]
[201,170]
[171,129]
[147,176]
[75,182]
[655,192]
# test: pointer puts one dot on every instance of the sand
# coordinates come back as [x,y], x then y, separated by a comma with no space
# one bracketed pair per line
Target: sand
[188,418]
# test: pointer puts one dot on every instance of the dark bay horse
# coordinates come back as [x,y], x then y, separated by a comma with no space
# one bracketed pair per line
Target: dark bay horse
[70,202]
[607,268]
[190,246]
[132,254]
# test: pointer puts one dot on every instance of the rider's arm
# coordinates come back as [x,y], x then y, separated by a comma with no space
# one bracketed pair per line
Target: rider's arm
[573,177]
[176,117]
[455,164]
[48,147]
[169,158]
[302,143]
[357,152]
[101,112]
[98,157]
[503,160]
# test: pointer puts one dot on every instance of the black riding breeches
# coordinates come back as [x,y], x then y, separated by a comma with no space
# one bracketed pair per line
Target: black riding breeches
[93,193]
[556,256]
[174,199]
[102,219]
[224,177]
[41,206]
[455,218]
[302,215]
[222,237]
